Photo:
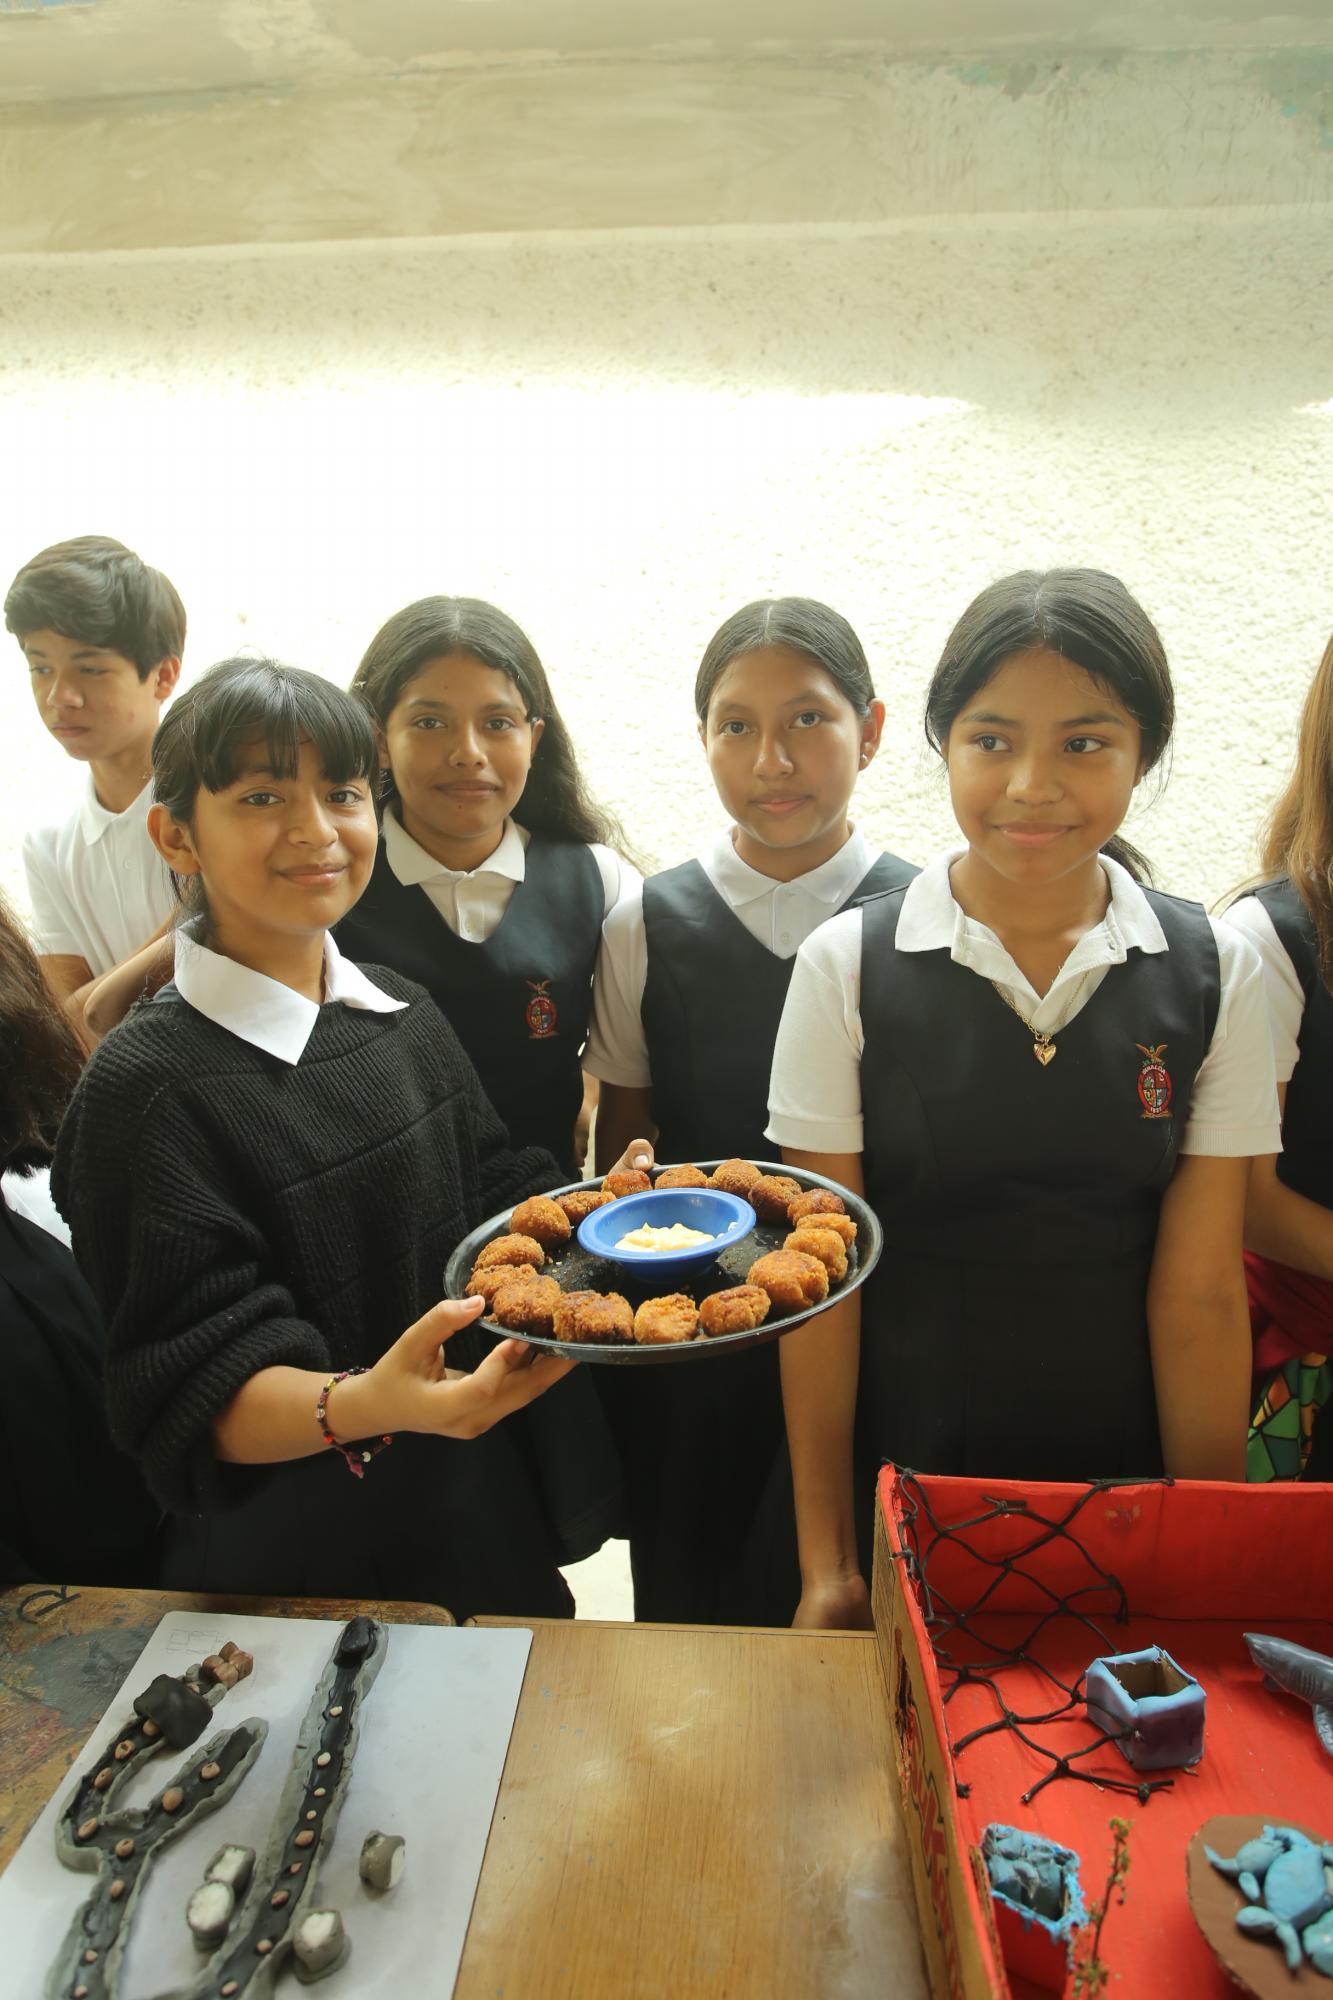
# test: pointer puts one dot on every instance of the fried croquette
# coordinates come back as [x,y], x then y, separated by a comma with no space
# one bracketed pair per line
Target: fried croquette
[582,1202]
[562,1320]
[601,1318]
[487,1279]
[629,1180]
[842,1226]
[682,1177]
[660,1321]
[769,1195]
[528,1307]
[815,1201]
[511,1250]
[739,1309]
[734,1177]
[793,1279]
[825,1244]
[543,1219]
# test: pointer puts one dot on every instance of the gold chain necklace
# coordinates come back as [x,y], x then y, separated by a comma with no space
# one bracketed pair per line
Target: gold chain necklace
[1043,1045]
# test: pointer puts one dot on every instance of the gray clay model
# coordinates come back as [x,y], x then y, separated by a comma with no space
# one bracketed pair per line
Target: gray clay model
[121,1846]
[208,1913]
[281,1894]
[320,1945]
[234,1866]
[1292,1669]
[382,1858]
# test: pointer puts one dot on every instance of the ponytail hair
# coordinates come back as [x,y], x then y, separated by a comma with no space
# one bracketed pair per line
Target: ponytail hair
[556,802]
[1298,837]
[1089,618]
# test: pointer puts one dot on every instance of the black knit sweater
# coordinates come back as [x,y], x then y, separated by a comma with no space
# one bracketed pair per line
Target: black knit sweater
[232,1212]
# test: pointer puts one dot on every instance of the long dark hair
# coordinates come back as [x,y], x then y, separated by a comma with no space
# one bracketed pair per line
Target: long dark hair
[556,801]
[1298,839]
[39,1058]
[199,740]
[802,623]
[1089,618]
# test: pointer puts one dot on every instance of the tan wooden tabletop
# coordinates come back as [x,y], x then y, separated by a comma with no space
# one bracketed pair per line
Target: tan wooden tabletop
[685,1811]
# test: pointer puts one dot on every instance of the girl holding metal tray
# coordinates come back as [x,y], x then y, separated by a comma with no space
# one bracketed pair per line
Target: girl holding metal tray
[1051,1081]
[265,1169]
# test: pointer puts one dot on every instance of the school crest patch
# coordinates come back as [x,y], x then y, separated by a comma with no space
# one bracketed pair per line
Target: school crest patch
[540,1014]
[1154,1082]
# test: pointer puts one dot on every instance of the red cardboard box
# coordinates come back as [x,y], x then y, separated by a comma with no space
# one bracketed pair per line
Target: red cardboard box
[969,1572]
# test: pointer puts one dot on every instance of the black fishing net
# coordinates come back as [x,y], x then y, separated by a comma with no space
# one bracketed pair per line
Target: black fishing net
[968,1655]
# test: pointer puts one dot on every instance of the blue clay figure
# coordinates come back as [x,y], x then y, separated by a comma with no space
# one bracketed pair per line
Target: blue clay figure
[1289,1881]
[1151,1706]
[1037,1899]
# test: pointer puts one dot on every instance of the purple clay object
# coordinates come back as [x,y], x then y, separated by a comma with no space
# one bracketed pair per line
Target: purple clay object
[1151,1706]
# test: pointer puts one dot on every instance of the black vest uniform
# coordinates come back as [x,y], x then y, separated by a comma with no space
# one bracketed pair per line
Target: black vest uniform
[1305,1163]
[1005,1333]
[519,1002]
[703,1445]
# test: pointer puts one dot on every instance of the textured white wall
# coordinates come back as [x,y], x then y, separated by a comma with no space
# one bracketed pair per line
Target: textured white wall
[621,437]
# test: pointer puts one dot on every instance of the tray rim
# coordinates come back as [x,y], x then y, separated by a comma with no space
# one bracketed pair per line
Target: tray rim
[463,1257]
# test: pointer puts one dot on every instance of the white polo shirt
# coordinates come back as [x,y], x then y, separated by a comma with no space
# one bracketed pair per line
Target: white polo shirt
[98,886]
[815,1092]
[262,1011]
[781,915]
[1282,982]
[472,904]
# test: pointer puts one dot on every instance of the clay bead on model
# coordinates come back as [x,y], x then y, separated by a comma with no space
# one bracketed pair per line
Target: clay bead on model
[382,1859]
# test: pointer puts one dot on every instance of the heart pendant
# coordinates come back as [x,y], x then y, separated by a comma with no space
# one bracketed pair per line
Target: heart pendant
[1044,1052]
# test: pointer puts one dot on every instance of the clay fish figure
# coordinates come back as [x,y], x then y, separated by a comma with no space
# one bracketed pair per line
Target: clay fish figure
[1293,1669]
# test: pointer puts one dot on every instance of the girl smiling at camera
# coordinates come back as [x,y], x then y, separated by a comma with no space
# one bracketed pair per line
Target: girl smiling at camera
[496,868]
[1050,1082]
[690,987]
[266,1168]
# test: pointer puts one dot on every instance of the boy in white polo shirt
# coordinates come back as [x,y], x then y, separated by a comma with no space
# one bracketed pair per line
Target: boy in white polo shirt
[103,636]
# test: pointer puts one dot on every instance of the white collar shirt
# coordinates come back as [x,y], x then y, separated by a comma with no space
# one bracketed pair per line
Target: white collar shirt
[262,1011]
[472,902]
[98,887]
[778,915]
[931,920]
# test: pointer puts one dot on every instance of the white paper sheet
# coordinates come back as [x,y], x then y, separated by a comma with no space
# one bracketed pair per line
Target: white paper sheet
[434,1735]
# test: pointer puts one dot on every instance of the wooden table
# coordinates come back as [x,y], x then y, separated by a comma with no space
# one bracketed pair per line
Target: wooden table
[685,1811]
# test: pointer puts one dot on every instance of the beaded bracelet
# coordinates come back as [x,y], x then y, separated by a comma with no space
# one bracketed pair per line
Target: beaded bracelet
[355,1457]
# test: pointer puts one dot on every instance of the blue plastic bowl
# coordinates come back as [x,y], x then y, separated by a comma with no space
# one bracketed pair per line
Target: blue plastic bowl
[725,1217]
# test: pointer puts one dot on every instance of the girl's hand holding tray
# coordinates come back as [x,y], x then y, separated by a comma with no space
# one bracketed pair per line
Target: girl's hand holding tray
[551,1269]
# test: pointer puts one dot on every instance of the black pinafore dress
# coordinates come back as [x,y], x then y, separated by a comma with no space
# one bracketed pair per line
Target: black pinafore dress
[520,1000]
[702,1443]
[1005,1333]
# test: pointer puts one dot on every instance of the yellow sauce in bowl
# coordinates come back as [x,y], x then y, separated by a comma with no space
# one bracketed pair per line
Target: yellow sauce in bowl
[678,1237]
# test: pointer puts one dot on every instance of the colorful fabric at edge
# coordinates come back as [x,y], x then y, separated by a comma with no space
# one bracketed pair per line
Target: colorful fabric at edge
[1291,1318]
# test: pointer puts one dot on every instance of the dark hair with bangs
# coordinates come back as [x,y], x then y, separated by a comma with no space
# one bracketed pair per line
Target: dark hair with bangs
[1089,618]
[556,802]
[240,701]
[801,623]
[99,593]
